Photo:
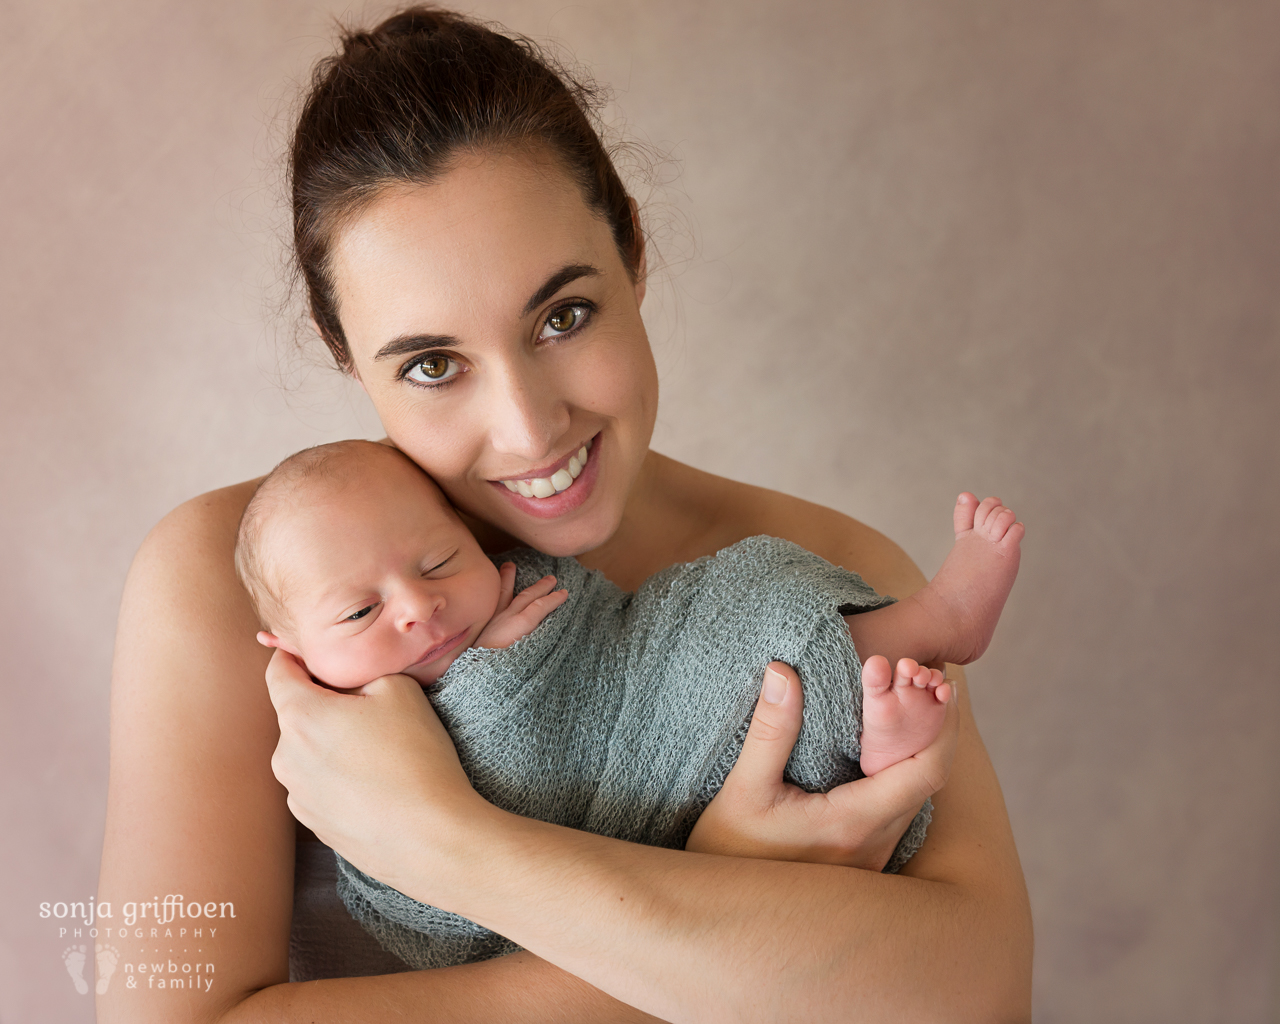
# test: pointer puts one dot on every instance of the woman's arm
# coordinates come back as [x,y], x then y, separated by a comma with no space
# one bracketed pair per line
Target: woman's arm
[193,810]
[684,936]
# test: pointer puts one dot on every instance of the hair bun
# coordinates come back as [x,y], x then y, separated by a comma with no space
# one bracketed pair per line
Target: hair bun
[400,99]
[413,21]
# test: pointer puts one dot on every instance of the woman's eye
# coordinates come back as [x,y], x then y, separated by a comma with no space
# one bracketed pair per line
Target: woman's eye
[433,369]
[562,321]
[360,614]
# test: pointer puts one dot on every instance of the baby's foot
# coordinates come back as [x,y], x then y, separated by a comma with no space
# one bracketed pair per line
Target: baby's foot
[965,598]
[902,712]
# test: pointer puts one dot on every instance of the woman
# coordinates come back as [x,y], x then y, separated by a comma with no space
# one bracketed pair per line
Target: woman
[472,259]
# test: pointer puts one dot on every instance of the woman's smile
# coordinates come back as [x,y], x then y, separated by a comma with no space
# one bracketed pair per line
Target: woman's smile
[555,489]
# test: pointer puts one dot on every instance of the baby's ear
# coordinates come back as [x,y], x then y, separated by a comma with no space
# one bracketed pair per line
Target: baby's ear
[271,640]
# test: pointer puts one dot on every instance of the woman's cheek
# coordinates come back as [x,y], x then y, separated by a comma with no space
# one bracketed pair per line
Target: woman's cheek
[420,433]
[619,377]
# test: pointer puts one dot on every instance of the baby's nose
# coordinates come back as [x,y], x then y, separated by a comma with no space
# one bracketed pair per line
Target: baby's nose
[418,607]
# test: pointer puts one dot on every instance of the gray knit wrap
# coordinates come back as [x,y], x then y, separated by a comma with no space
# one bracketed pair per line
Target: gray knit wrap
[621,714]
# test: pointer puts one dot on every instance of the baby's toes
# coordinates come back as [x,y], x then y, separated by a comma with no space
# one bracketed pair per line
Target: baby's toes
[938,685]
[1013,537]
[984,511]
[998,524]
[905,675]
[877,678]
[962,517]
[923,678]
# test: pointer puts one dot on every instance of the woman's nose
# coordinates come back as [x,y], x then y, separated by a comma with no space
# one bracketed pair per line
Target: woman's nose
[526,413]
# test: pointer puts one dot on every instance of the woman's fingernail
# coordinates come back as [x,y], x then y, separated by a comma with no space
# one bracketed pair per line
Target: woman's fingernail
[775,686]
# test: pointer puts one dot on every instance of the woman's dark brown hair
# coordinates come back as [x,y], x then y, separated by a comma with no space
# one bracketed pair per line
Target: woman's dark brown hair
[403,98]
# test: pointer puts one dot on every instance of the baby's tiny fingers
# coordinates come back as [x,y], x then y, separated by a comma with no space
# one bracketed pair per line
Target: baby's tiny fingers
[549,603]
[527,620]
[506,584]
[543,586]
[532,592]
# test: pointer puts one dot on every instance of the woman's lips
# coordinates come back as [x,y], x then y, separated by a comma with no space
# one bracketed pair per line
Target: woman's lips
[559,502]
[440,650]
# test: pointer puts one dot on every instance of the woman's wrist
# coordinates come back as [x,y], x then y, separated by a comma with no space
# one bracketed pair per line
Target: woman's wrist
[450,849]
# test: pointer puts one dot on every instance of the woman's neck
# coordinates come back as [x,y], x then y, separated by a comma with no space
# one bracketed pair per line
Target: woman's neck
[667,519]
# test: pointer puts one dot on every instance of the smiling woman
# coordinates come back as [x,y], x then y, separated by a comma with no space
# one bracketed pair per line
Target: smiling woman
[472,259]
[531,352]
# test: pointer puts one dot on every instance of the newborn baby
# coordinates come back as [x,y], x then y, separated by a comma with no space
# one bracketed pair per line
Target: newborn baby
[621,714]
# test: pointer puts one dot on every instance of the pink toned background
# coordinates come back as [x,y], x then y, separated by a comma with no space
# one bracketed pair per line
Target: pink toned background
[1028,249]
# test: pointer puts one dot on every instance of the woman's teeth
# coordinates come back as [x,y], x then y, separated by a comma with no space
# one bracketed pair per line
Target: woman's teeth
[560,480]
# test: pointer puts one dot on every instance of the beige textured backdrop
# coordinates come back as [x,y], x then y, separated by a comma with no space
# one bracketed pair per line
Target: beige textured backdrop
[1028,249]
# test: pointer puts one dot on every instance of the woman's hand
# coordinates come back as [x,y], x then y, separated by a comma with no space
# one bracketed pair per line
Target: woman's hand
[757,814]
[371,771]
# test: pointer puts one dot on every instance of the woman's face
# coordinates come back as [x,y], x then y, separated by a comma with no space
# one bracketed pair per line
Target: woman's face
[498,333]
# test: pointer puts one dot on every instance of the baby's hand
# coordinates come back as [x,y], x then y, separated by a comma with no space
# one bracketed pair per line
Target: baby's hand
[517,616]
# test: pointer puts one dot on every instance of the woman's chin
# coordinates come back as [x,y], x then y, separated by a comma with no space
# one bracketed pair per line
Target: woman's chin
[565,539]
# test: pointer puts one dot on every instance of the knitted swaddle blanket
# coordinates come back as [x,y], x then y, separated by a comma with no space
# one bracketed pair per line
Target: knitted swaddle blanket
[621,714]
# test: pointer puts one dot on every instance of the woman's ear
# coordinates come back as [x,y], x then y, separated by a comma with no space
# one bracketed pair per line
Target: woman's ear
[642,266]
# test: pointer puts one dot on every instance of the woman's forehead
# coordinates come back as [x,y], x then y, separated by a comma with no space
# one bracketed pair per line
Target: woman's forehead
[480,240]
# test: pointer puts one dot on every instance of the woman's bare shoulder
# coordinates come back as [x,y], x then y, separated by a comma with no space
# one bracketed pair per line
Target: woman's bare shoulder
[183,598]
[184,612]
[733,510]
[203,526]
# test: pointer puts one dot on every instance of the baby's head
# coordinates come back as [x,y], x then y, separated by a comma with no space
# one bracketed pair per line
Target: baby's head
[360,567]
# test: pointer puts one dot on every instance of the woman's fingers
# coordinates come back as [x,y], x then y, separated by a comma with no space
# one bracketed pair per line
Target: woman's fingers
[289,685]
[774,728]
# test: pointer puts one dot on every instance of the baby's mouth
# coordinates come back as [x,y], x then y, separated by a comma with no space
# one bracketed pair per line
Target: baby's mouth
[440,649]
[559,479]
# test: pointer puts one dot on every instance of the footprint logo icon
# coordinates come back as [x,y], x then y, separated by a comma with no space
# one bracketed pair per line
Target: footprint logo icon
[74,959]
[107,957]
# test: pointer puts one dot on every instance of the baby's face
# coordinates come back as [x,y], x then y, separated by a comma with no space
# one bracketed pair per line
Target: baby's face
[377,576]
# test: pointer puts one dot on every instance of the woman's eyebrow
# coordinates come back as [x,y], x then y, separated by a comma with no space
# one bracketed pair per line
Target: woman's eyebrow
[570,272]
[417,342]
